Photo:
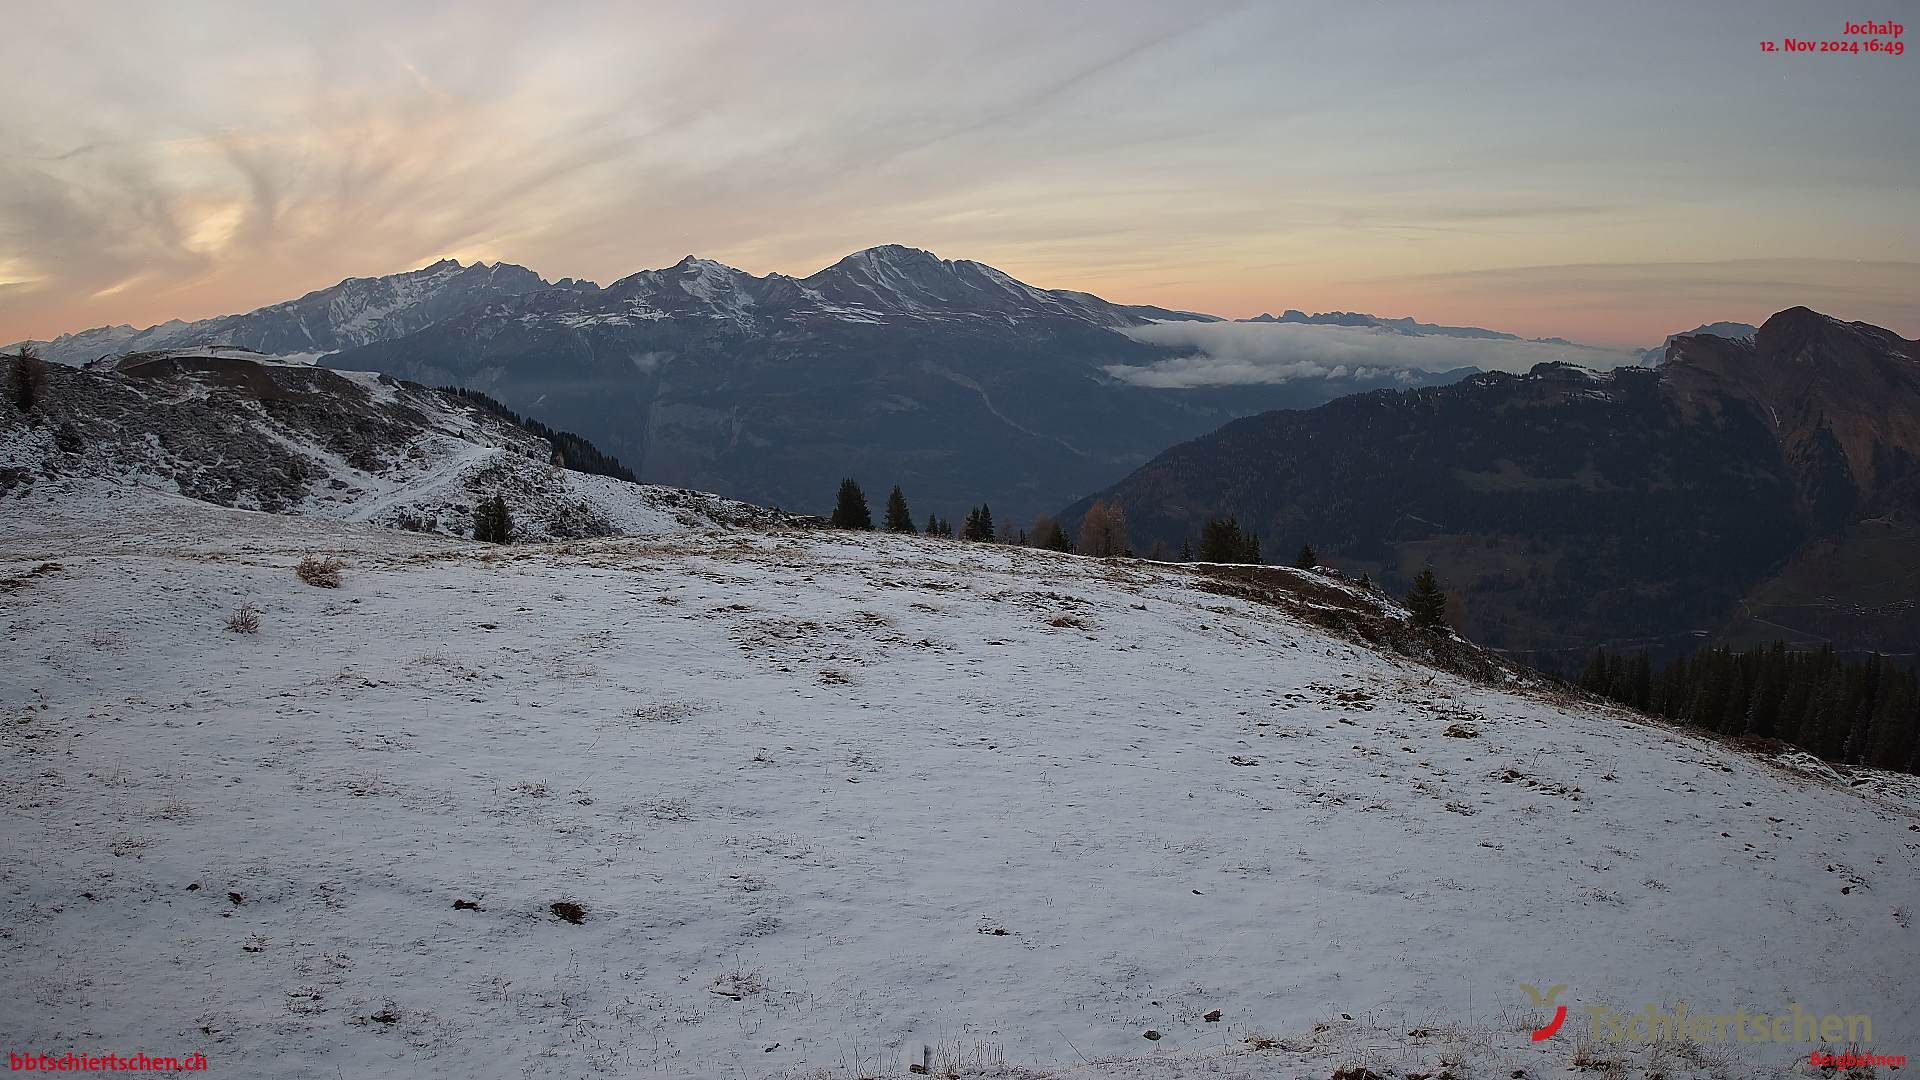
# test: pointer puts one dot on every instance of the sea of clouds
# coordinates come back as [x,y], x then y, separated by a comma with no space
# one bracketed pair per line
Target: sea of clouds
[1238,354]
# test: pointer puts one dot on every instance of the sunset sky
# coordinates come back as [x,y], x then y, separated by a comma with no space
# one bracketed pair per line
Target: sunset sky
[1603,172]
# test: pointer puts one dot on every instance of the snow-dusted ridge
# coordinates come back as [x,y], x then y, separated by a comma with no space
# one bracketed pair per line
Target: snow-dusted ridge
[354,312]
[823,799]
[234,429]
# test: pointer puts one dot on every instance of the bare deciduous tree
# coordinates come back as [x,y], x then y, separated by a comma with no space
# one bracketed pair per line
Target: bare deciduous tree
[1103,531]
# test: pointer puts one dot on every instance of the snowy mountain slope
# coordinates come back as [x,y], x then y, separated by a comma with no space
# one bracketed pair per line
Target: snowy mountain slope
[354,312]
[896,281]
[291,438]
[825,798]
[880,285]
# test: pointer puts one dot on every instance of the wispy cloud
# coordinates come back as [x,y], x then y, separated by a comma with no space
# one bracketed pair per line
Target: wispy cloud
[1223,156]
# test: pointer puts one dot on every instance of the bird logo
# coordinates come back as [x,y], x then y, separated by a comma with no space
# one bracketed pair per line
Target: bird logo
[1546,1001]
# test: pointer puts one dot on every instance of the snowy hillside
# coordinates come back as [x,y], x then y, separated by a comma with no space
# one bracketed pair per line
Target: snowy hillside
[798,804]
[292,438]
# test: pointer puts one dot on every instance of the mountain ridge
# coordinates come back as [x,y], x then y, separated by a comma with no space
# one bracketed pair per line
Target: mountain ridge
[354,311]
[949,377]
[1748,489]
[886,279]
[298,439]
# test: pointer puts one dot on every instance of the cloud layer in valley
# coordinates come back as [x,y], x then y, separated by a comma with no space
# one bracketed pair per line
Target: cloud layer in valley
[1238,354]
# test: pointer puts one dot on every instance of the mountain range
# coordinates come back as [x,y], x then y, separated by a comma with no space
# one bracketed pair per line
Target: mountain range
[1773,459]
[354,312]
[949,377]
[1751,488]
[1399,326]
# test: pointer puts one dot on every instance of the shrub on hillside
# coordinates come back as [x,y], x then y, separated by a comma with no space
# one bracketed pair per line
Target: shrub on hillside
[321,573]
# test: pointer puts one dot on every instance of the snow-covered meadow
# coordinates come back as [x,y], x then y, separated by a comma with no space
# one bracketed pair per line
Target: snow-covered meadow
[824,800]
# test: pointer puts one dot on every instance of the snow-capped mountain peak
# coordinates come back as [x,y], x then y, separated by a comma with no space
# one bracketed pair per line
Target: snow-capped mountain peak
[894,281]
[356,311]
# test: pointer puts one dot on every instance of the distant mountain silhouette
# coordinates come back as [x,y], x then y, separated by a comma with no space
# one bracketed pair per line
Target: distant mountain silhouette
[1751,488]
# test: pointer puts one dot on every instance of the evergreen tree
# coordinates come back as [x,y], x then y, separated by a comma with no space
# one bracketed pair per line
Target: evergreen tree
[1307,559]
[27,378]
[978,524]
[1863,712]
[933,526]
[1594,679]
[1048,534]
[899,518]
[1427,601]
[1221,541]
[492,523]
[850,509]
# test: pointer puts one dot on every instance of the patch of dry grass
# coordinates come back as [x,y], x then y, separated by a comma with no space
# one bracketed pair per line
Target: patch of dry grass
[320,573]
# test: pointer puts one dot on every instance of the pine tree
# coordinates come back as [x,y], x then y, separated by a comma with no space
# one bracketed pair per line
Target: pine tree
[1594,679]
[1048,534]
[1427,601]
[899,518]
[492,523]
[27,378]
[933,526]
[850,509]
[1854,712]
[1640,681]
[978,524]
[1307,559]
[1221,541]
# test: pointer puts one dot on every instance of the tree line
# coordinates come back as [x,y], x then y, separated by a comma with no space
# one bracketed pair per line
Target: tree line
[1103,529]
[1103,533]
[1853,712]
[571,451]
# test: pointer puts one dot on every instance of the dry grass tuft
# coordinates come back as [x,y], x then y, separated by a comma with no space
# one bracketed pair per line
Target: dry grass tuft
[321,573]
[244,620]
